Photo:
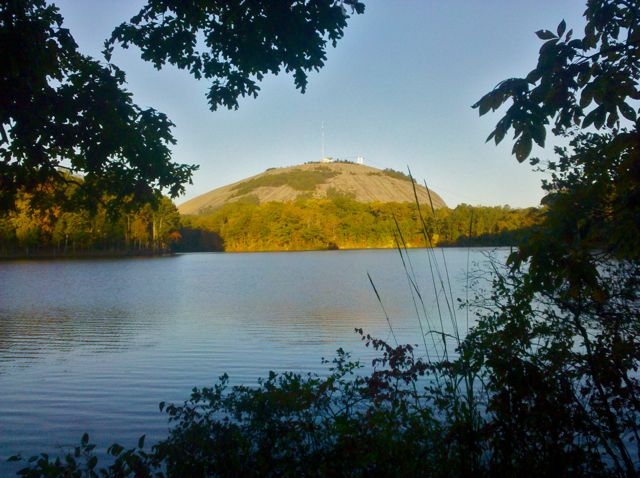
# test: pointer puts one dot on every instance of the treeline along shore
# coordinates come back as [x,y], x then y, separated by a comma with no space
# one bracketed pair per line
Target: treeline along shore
[344,223]
[337,222]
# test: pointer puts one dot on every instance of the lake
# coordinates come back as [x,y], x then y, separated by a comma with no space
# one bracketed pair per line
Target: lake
[94,345]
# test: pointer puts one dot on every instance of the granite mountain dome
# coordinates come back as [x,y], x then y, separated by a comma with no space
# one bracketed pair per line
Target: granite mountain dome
[363,183]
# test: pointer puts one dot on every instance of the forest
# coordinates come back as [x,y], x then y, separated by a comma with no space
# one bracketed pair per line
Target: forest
[340,222]
[59,230]
[337,222]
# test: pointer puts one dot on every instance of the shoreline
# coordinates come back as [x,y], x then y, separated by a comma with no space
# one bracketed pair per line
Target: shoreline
[48,255]
[80,255]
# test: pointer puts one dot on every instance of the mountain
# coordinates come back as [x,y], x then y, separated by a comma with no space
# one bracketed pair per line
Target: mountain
[362,183]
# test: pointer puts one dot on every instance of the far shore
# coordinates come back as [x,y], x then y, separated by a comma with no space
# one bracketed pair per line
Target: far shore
[119,254]
[73,255]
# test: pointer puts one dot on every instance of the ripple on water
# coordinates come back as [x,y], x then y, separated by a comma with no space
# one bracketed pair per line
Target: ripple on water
[95,345]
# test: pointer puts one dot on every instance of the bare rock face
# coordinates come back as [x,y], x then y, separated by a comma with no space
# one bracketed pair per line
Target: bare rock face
[319,180]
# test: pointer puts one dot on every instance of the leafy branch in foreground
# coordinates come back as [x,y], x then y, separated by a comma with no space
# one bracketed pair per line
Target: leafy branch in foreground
[562,344]
[234,44]
[577,82]
[65,115]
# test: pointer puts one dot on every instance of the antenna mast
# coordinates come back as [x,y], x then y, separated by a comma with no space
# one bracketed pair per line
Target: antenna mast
[322,129]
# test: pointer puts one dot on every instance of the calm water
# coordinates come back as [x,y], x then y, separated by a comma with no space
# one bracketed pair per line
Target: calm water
[95,345]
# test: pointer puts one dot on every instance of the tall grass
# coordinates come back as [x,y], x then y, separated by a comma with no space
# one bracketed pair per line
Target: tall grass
[452,382]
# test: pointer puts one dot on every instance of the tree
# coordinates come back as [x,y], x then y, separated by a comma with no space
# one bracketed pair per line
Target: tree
[66,117]
[64,114]
[236,43]
[587,88]
[561,342]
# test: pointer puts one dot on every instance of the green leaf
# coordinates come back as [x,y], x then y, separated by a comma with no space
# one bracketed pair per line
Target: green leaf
[141,442]
[589,40]
[589,119]
[596,117]
[601,116]
[522,147]
[561,28]
[485,106]
[93,461]
[533,76]
[539,132]
[627,111]
[85,439]
[500,130]
[115,449]
[586,97]
[545,35]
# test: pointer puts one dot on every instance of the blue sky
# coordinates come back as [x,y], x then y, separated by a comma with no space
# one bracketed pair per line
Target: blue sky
[397,90]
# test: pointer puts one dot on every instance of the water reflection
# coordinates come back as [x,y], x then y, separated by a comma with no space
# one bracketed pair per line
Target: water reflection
[29,336]
[95,345]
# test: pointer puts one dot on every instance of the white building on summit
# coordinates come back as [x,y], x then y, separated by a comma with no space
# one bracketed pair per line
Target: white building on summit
[329,159]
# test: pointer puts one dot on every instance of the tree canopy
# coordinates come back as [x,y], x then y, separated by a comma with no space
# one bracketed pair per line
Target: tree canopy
[586,90]
[577,82]
[235,43]
[562,338]
[341,222]
[67,117]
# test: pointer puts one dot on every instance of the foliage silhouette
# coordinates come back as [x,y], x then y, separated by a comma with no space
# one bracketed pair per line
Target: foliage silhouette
[64,114]
[562,345]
